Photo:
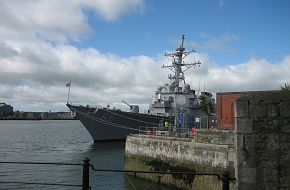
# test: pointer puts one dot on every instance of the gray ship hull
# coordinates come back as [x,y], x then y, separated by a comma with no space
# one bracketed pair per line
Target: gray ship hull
[113,125]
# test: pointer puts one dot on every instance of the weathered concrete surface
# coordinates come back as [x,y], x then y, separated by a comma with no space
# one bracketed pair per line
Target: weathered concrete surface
[263,141]
[213,136]
[177,154]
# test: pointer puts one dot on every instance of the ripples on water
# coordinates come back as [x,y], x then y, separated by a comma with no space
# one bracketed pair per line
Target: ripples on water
[64,142]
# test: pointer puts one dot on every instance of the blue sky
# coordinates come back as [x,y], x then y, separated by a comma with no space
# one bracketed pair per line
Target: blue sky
[258,28]
[113,50]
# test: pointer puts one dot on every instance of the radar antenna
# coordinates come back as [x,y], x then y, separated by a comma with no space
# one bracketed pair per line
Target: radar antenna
[177,63]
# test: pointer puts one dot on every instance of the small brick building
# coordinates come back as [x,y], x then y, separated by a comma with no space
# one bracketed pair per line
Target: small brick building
[225,109]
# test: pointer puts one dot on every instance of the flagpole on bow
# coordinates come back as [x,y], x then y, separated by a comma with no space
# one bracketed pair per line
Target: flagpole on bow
[68,85]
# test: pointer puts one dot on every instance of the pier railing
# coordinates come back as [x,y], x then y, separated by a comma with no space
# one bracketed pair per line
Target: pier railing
[224,177]
[170,131]
[44,183]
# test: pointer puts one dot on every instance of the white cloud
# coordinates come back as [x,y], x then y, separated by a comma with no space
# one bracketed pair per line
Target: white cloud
[255,74]
[112,9]
[35,76]
[52,20]
[57,20]
[34,71]
[38,72]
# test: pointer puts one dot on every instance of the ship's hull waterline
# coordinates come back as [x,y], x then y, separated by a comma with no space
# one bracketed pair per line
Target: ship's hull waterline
[113,125]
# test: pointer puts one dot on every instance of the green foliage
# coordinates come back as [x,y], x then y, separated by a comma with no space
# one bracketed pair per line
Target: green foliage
[206,104]
[285,88]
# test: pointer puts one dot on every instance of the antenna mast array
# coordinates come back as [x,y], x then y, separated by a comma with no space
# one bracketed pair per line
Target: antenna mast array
[177,63]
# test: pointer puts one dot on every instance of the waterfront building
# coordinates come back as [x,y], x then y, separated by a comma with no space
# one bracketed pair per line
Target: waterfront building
[5,110]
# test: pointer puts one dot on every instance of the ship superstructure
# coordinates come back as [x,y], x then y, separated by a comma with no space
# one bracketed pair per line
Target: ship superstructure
[177,98]
[174,102]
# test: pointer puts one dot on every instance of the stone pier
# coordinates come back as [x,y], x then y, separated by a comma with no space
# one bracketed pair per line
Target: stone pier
[256,153]
[263,141]
[209,152]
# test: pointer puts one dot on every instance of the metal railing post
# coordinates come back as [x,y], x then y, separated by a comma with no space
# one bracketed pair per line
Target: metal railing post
[226,180]
[86,174]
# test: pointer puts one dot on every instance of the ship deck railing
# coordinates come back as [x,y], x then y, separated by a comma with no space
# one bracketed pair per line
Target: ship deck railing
[184,132]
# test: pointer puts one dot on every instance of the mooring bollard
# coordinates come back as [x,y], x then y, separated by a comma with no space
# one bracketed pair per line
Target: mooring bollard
[86,174]
[226,180]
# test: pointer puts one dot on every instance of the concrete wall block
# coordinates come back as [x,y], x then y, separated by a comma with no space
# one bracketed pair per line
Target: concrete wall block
[198,153]
[269,151]
[271,186]
[215,137]
[244,125]
[266,158]
[272,144]
[146,153]
[284,138]
[286,128]
[259,110]
[271,175]
[232,156]
[255,99]
[285,159]
[272,110]
[273,122]
[246,186]
[284,109]
[249,159]
[285,182]
[247,176]
[260,125]
[285,171]
[240,159]
[263,159]
[251,110]
[285,148]
[239,139]
[242,108]
[263,162]
[272,125]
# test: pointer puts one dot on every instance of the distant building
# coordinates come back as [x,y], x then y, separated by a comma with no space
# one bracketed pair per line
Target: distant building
[49,115]
[5,110]
[27,115]
[56,115]
[225,109]
[65,115]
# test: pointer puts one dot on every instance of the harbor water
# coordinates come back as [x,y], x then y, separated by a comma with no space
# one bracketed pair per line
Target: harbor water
[61,142]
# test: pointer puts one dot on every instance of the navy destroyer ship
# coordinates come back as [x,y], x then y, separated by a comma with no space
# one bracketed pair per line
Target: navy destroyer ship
[174,102]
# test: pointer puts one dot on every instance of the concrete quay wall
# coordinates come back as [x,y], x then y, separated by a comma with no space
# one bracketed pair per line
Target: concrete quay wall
[159,153]
[214,136]
[263,141]
[257,153]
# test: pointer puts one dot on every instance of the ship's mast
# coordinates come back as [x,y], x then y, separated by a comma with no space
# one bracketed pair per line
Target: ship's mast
[177,63]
